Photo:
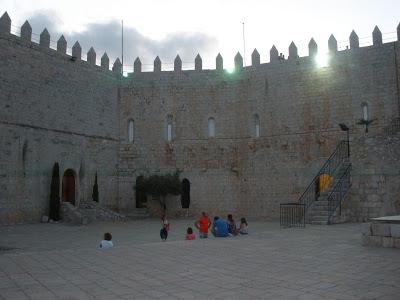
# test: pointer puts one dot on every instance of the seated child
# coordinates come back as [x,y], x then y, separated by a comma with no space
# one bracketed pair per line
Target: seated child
[231,225]
[106,243]
[190,235]
[243,228]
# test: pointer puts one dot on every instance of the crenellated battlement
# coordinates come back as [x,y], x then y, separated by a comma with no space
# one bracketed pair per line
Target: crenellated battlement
[230,132]
[275,56]
[44,43]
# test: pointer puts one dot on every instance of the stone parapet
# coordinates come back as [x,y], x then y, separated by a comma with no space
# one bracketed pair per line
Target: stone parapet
[382,232]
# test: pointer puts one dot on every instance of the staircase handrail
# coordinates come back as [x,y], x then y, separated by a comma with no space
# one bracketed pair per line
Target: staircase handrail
[335,191]
[326,167]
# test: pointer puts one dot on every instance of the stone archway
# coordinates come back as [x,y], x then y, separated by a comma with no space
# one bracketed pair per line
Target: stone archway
[185,196]
[69,186]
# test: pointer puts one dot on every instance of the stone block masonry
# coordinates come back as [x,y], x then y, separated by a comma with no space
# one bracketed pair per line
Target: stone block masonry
[53,110]
[382,232]
[246,141]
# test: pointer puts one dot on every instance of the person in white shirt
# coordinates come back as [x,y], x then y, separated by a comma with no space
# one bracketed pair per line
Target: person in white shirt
[243,228]
[106,243]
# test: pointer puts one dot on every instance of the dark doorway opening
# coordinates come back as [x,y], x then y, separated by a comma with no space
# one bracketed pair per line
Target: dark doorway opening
[141,198]
[68,187]
[185,196]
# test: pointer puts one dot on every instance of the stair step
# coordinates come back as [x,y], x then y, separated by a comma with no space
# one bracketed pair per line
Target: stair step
[138,213]
[319,218]
[318,213]
[319,223]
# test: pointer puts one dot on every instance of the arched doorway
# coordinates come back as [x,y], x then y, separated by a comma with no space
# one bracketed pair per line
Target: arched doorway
[68,186]
[185,196]
[141,198]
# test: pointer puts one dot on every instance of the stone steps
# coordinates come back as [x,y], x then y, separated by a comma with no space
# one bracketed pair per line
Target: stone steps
[319,211]
[138,213]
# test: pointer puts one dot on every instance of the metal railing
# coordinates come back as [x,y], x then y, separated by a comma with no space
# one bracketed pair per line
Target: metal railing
[295,214]
[338,156]
[393,127]
[292,215]
[338,193]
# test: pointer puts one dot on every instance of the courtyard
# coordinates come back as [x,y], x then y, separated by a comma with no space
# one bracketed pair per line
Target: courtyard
[60,261]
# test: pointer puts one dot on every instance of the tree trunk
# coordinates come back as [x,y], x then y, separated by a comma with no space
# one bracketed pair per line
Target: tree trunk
[164,203]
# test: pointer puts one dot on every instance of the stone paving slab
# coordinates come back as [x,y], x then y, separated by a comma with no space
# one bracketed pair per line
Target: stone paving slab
[58,261]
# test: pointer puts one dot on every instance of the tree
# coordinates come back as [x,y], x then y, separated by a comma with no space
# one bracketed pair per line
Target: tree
[160,186]
[95,193]
[54,211]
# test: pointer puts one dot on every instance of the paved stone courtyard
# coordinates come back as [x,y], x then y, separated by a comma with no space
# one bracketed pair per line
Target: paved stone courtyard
[59,261]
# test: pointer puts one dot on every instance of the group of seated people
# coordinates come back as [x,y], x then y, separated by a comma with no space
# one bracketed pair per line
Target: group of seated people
[220,227]
[224,228]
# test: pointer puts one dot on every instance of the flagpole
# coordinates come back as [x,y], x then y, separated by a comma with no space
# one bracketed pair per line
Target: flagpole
[244,47]
[122,47]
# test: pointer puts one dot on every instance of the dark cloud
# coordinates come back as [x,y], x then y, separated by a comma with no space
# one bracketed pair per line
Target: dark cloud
[44,19]
[107,37]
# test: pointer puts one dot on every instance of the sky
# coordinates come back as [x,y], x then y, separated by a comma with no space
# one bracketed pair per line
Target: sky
[208,27]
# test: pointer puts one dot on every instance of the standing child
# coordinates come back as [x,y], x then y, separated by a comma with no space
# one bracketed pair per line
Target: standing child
[190,235]
[243,228]
[164,229]
[203,224]
[106,243]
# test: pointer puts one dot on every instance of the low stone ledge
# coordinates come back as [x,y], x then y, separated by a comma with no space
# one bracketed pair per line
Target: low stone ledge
[395,230]
[380,229]
[382,232]
[370,240]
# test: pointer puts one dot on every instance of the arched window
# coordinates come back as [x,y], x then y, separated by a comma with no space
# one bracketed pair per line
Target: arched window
[365,112]
[211,127]
[256,126]
[131,131]
[169,128]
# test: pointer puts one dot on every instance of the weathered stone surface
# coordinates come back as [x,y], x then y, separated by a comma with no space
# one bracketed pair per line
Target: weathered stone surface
[396,243]
[198,63]
[372,241]
[219,62]
[137,65]
[62,44]
[26,31]
[91,57]
[157,64]
[53,109]
[387,242]
[395,230]
[366,229]
[380,229]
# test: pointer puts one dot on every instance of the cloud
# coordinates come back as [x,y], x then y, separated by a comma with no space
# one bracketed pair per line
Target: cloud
[44,19]
[107,37]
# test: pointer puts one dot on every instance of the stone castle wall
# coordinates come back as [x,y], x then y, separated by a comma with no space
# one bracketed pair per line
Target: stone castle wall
[56,107]
[53,109]
[299,106]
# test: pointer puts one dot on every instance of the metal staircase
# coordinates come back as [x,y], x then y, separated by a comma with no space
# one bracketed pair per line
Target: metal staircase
[322,200]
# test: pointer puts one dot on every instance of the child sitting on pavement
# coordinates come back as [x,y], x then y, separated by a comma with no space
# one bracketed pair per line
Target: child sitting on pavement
[190,235]
[106,242]
[243,228]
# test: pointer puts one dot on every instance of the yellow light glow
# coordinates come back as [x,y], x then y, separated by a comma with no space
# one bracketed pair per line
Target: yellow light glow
[322,60]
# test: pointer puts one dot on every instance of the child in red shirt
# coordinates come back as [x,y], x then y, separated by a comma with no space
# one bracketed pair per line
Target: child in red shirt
[203,224]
